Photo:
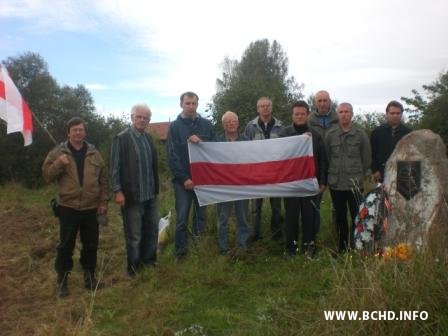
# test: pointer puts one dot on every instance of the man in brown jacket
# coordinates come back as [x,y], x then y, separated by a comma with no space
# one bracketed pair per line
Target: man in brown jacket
[79,171]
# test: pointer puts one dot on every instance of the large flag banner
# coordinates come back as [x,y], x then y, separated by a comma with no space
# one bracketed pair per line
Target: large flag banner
[13,109]
[229,171]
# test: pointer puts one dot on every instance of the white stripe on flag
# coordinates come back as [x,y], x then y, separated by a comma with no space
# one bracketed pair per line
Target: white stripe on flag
[216,194]
[252,151]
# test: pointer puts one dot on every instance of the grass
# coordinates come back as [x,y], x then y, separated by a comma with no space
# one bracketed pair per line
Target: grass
[260,293]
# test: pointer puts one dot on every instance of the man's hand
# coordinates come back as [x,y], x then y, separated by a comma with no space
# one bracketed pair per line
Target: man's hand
[188,184]
[194,139]
[322,188]
[63,159]
[376,176]
[119,198]
[102,209]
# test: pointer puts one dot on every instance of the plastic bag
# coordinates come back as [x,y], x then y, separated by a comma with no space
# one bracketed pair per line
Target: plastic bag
[164,223]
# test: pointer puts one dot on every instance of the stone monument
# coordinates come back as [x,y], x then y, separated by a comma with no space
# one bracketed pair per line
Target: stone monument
[417,183]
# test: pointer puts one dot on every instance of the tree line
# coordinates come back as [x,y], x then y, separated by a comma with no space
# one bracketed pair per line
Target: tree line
[262,71]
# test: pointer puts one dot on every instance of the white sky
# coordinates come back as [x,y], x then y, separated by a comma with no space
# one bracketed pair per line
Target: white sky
[365,52]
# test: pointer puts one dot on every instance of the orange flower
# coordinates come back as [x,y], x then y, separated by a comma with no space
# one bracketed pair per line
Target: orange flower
[404,251]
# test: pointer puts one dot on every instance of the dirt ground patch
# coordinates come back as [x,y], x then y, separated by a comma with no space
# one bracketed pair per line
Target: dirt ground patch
[28,304]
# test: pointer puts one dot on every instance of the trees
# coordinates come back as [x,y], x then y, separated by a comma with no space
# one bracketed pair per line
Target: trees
[369,121]
[262,71]
[53,105]
[431,109]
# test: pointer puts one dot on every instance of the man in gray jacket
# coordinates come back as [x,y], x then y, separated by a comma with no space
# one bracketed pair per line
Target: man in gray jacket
[321,121]
[349,154]
[265,126]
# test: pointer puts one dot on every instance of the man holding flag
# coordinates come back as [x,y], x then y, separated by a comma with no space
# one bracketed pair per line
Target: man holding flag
[189,127]
[265,126]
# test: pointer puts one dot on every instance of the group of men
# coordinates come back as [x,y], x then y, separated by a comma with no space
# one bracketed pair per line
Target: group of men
[342,152]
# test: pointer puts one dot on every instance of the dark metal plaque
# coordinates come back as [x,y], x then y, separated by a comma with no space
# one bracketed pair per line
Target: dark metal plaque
[408,178]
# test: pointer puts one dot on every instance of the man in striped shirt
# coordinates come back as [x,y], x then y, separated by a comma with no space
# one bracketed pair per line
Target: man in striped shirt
[135,183]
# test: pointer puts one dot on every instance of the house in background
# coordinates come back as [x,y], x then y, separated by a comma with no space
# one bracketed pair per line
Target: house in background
[159,130]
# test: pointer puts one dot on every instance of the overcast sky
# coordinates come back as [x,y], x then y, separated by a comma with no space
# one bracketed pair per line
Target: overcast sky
[125,52]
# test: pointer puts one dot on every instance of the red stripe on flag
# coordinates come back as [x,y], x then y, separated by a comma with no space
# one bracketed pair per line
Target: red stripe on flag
[271,172]
[27,119]
[2,90]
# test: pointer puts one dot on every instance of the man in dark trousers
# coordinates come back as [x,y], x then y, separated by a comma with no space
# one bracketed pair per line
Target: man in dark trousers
[135,183]
[304,206]
[385,137]
[79,170]
[265,126]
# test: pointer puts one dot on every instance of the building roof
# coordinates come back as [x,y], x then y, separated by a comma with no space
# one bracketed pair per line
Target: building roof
[159,129]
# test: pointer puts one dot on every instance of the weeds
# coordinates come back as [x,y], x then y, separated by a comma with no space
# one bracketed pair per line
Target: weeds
[261,292]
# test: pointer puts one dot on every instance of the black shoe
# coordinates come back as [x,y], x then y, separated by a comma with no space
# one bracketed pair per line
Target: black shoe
[90,282]
[62,285]
[224,252]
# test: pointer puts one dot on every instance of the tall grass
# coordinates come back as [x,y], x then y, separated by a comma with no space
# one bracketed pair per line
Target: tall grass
[263,292]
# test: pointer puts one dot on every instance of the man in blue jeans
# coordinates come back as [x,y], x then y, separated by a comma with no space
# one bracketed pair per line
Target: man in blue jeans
[135,182]
[230,124]
[188,127]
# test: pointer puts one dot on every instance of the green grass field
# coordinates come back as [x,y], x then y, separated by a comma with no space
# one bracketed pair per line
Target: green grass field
[260,293]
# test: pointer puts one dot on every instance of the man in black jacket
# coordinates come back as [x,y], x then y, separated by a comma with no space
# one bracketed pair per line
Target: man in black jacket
[385,137]
[135,182]
[306,206]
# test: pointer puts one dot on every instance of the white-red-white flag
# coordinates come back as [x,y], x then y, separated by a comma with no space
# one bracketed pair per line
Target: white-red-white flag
[13,109]
[229,171]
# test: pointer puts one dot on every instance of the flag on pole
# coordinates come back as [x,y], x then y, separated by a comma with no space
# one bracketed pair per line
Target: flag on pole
[13,109]
[229,171]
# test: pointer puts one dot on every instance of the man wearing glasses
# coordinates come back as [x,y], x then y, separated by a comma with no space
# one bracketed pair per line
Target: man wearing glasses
[135,183]
[265,126]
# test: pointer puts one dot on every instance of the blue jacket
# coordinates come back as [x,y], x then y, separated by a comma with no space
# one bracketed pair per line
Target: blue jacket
[177,144]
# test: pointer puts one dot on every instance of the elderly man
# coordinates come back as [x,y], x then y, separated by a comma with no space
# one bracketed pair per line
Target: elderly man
[135,183]
[188,127]
[385,137]
[230,124]
[349,154]
[304,207]
[265,126]
[80,172]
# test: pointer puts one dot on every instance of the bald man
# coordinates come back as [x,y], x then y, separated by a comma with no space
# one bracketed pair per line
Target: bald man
[321,121]
[323,118]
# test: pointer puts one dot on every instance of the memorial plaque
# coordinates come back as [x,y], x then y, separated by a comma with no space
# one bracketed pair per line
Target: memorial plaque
[408,178]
